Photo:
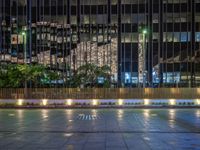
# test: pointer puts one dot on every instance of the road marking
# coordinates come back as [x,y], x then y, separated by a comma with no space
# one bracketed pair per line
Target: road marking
[87,117]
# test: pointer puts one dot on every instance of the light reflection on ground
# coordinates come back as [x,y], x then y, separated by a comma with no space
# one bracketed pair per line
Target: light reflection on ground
[100,129]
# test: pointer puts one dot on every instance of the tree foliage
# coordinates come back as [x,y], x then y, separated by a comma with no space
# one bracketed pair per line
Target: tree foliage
[16,75]
[87,75]
[19,75]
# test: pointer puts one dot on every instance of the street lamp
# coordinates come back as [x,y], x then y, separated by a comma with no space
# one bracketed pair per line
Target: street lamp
[23,33]
[144,32]
[24,45]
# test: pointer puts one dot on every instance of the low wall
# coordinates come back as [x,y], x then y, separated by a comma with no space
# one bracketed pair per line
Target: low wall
[99,103]
[100,93]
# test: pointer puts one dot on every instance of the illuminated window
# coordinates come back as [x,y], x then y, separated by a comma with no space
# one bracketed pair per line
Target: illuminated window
[185,36]
[197,36]
[171,77]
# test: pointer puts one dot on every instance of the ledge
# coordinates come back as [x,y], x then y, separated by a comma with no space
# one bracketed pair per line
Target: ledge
[99,103]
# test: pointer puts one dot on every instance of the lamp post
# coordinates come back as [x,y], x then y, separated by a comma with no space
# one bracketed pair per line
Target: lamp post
[25,61]
[144,32]
[24,46]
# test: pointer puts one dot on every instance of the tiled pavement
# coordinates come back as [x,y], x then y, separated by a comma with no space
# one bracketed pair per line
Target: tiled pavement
[99,129]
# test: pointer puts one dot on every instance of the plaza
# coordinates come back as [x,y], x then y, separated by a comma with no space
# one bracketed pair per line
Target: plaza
[100,75]
[99,129]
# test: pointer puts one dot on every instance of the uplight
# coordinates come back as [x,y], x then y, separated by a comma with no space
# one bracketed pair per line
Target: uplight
[198,101]
[94,102]
[69,102]
[146,101]
[20,102]
[172,102]
[44,102]
[120,101]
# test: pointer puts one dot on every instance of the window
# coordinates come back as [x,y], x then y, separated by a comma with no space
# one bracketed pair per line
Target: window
[176,36]
[171,77]
[185,36]
[127,77]
[197,36]
[155,37]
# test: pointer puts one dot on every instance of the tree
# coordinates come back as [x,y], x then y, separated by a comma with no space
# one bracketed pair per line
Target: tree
[10,76]
[87,75]
[3,78]
[19,75]
[49,76]
[105,73]
[30,73]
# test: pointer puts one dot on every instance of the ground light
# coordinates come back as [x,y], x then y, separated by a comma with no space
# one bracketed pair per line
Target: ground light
[44,102]
[146,102]
[94,102]
[20,102]
[172,102]
[120,102]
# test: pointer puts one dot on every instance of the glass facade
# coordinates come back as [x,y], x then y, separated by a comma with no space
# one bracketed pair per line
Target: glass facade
[146,43]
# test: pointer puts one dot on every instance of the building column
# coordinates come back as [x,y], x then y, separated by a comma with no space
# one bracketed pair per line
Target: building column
[119,44]
[191,51]
[29,28]
[160,50]
[149,49]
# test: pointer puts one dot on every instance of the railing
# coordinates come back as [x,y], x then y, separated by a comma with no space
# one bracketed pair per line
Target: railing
[100,93]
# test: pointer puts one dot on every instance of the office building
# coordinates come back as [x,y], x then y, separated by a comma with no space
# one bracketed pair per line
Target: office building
[146,43]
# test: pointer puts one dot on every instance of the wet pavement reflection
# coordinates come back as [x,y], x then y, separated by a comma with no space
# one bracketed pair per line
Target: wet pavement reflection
[101,129]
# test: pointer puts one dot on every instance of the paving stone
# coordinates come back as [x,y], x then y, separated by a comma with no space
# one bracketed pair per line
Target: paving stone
[109,129]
